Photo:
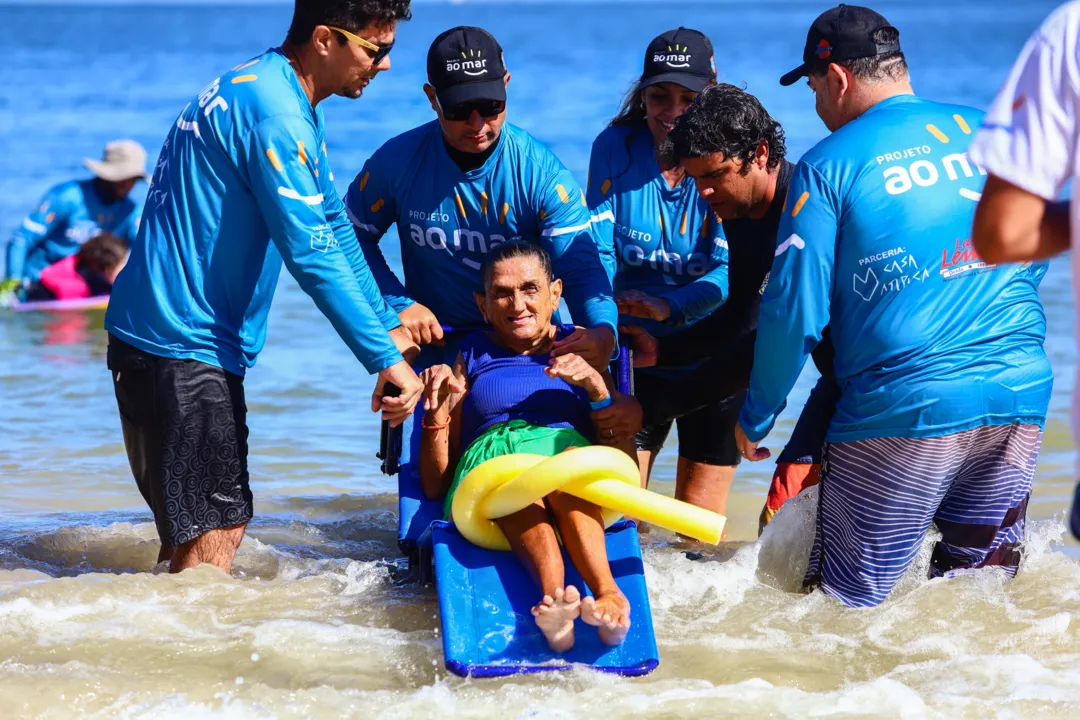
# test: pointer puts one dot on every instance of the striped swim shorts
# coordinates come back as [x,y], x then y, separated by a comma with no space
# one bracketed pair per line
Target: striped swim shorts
[879,496]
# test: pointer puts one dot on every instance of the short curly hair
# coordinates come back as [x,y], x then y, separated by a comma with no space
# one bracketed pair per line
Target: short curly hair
[351,15]
[728,120]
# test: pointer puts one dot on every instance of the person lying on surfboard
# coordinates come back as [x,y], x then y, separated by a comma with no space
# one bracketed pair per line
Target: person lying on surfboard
[88,273]
[506,394]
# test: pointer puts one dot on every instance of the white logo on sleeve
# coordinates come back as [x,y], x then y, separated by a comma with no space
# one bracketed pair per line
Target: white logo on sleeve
[322,238]
[793,241]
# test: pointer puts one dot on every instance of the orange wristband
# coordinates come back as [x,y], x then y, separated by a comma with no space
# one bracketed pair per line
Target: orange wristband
[424,424]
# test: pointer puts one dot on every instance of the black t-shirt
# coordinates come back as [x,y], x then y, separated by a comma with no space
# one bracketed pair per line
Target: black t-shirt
[721,346]
[751,249]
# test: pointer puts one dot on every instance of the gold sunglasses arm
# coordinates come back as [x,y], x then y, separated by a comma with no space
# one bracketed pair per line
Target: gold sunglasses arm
[356,39]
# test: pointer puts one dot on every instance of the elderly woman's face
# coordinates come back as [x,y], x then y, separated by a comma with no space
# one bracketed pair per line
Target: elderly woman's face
[519,301]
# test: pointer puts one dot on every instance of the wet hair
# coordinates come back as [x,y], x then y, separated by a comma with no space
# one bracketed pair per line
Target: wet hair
[513,250]
[890,67]
[351,15]
[103,252]
[728,120]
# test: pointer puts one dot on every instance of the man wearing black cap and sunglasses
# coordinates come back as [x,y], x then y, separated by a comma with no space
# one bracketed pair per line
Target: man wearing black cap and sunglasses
[457,187]
[464,183]
[944,381]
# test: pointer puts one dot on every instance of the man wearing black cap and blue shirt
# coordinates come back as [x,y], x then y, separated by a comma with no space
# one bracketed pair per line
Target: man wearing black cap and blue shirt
[939,356]
[465,182]
[460,185]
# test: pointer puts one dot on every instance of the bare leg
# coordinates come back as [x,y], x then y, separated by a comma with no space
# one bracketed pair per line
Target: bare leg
[583,534]
[217,547]
[645,460]
[706,486]
[533,540]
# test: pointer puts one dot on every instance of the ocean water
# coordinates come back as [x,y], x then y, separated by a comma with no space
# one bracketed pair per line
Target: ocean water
[312,624]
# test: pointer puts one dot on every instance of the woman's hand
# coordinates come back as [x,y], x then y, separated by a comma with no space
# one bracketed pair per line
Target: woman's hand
[638,304]
[574,370]
[442,391]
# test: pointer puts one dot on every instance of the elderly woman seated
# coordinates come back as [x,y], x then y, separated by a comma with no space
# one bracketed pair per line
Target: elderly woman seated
[507,394]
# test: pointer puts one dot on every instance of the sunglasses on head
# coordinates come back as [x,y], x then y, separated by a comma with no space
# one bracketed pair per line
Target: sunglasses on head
[379,51]
[463,111]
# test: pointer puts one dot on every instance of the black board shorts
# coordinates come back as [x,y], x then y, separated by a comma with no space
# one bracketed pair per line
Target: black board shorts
[706,434]
[186,435]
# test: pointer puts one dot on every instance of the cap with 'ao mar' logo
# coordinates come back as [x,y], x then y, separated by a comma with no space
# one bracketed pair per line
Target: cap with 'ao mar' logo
[683,57]
[845,32]
[466,63]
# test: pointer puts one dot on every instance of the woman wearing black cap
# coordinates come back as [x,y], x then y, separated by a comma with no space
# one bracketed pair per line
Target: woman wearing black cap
[665,250]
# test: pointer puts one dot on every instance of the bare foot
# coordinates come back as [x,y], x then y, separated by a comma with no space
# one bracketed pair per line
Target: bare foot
[610,613]
[555,617]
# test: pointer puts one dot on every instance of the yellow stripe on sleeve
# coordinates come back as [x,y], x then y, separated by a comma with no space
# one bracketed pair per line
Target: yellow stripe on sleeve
[274,159]
[244,78]
[300,152]
[483,203]
[460,205]
[363,180]
[563,195]
[605,187]
[502,214]
[963,124]
[799,205]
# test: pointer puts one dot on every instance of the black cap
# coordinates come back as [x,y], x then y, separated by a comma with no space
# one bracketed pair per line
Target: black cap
[683,57]
[465,63]
[845,32]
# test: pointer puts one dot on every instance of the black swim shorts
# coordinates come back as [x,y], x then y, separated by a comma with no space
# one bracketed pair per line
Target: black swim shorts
[706,435]
[185,430]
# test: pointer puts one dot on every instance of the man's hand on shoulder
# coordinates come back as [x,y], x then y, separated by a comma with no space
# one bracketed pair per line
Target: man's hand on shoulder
[422,325]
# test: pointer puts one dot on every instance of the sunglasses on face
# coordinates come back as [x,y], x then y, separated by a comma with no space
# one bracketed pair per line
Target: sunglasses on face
[463,111]
[379,52]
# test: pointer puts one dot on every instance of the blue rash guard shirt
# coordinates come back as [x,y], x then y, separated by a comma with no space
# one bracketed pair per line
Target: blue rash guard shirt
[448,219]
[70,214]
[242,185]
[662,240]
[876,240]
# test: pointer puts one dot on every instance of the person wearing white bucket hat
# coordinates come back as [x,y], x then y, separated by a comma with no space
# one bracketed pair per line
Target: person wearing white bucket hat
[73,212]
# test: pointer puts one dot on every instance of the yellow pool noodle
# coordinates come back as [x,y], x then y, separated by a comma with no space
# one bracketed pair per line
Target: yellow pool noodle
[601,475]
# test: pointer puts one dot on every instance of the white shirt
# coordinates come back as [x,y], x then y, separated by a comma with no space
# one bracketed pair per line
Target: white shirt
[1030,134]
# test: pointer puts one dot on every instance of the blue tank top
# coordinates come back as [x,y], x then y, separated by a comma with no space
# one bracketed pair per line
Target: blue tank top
[505,386]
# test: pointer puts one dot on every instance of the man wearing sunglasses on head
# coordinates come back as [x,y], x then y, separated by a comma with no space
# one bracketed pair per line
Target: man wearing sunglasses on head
[464,183]
[242,186]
